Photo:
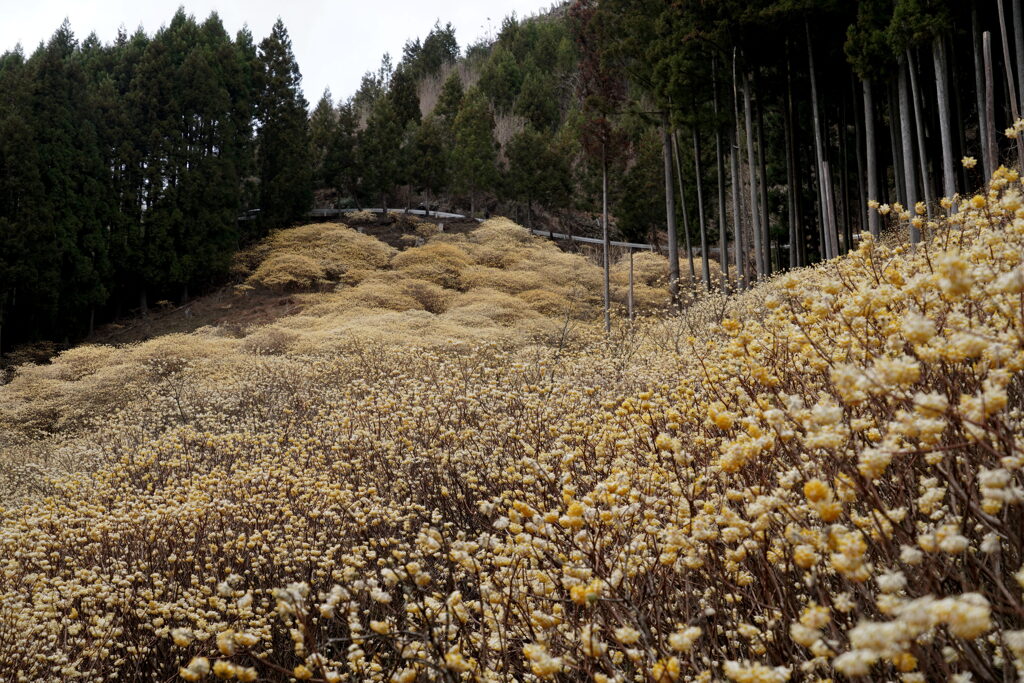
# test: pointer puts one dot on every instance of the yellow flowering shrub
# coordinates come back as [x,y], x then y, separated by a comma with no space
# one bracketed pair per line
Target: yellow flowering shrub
[820,478]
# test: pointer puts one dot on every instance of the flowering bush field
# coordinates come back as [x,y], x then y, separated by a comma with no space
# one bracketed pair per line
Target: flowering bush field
[820,478]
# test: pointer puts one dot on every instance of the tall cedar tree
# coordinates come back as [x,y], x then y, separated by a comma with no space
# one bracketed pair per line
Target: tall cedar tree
[283,138]
[475,154]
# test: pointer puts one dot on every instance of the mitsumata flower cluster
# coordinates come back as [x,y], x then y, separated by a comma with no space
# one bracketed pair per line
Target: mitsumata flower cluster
[819,479]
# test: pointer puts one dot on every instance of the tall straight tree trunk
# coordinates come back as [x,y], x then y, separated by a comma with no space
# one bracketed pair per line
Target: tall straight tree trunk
[607,246]
[824,189]
[1018,39]
[755,222]
[896,139]
[762,185]
[670,213]
[906,136]
[792,200]
[862,199]
[990,105]
[682,204]
[844,176]
[737,225]
[870,148]
[942,100]
[1014,108]
[957,113]
[981,88]
[723,243]
[705,266]
[737,210]
[737,184]
[922,153]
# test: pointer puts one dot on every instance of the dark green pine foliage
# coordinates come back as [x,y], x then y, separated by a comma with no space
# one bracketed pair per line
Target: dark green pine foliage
[536,103]
[474,155]
[380,152]
[69,242]
[449,102]
[124,168]
[404,98]
[439,48]
[428,158]
[322,130]
[501,78]
[340,164]
[19,184]
[283,138]
[538,172]
[637,217]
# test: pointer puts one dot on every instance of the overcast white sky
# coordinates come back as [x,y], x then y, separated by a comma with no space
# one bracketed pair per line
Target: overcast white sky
[335,42]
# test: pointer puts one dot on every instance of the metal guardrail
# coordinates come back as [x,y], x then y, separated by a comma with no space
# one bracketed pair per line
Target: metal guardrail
[328,213]
[592,240]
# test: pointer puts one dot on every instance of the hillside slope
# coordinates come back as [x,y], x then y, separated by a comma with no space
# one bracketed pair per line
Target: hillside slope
[824,482]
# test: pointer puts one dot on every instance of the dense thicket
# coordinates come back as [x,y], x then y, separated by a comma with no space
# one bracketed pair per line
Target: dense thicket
[124,168]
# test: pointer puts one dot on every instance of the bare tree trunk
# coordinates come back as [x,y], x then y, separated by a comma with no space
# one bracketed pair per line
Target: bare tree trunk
[942,99]
[830,207]
[607,242]
[844,176]
[792,201]
[872,163]
[737,210]
[896,140]
[990,104]
[957,113]
[705,267]
[755,222]
[922,153]
[762,183]
[682,204]
[910,182]
[1014,109]
[828,218]
[1018,38]
[737,184]
[982,87]
[670,213]
[862,198]
[723,243]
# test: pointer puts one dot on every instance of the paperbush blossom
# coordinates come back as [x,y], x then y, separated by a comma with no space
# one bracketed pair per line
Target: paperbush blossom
[818,478]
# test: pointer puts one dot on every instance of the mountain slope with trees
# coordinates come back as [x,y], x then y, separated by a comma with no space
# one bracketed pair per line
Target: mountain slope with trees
[752,133]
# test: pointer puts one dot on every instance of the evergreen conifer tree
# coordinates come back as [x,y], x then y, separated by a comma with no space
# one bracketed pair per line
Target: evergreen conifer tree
[283,137]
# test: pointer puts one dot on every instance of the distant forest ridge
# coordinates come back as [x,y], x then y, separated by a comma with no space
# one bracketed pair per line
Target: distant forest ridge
[753,132]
